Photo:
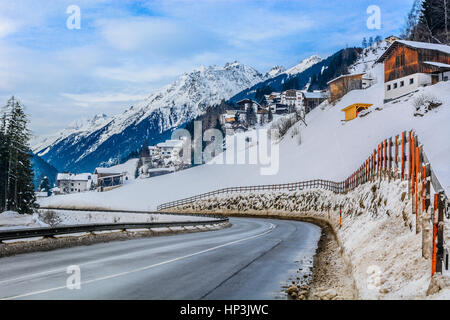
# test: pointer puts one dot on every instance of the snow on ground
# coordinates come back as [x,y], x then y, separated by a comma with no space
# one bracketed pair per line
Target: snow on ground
[329,149]
[373,214]
[13,220]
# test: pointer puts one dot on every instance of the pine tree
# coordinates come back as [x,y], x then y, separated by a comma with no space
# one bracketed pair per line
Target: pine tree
[3,162]
[19,190]
[44,185]
[364,43]
[270,115]
[433,21]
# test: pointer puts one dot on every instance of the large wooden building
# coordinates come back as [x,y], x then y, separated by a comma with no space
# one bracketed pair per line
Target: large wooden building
[340,86]
[409,65]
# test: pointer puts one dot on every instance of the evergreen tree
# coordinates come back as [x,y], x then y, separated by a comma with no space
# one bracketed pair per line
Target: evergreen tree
[44,185]
[18,190]
[251,116]
[371,41]
[261,119]
[270,115]
[3,162]
[364,43]
[433,22]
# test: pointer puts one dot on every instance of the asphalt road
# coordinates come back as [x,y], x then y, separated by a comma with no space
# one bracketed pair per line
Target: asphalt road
[251,260]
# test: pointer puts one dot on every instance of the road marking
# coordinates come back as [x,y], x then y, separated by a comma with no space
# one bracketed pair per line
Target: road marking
[271,227]
[53,271]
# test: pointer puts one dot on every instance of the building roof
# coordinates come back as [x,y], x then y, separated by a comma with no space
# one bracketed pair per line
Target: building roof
[171,144]
[358,105]
[74,177]
[345,76]
[314,95]
[415,45]
[438,64]
[108,171]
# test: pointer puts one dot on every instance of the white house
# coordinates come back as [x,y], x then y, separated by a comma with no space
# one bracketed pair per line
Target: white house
[171,148]
[74,183]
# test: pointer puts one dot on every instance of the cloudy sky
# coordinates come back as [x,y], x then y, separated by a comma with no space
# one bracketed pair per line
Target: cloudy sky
[126,49]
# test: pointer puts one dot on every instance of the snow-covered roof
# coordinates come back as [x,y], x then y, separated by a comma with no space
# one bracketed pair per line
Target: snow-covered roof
[345,76]
[108,171]
[416,45]
[171,144]
[314,95]
[74,177]
[438,64]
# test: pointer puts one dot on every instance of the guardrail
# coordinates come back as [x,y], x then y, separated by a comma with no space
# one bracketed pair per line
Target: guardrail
[337,187]
[399,157]
[50,232]
[132,211]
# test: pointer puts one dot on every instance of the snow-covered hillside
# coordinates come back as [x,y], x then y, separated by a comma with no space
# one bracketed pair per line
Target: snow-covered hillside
[87,143]
[329,149]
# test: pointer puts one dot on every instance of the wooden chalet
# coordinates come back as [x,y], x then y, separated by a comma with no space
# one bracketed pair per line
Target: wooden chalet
[340,86]
[409,65]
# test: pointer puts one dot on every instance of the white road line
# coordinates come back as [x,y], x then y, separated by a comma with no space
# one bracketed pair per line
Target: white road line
[272,226]
[53,271]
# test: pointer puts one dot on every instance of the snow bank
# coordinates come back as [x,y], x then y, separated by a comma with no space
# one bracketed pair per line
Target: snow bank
[377,233]
[13,220]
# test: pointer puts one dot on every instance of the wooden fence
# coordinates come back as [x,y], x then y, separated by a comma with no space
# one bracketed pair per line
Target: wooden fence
[399,157]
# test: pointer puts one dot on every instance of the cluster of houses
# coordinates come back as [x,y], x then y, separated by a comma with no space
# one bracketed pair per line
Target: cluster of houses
[408,65]
[163,158]
[275,103]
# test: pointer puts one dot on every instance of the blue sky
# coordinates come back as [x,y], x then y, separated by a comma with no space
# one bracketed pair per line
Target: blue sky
[127,49]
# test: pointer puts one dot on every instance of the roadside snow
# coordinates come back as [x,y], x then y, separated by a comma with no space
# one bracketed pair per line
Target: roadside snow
[377,234]
[13,220]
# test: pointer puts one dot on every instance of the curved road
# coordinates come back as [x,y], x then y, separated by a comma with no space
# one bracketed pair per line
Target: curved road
[251,260]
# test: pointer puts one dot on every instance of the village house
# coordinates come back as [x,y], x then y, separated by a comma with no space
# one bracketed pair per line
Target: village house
[409,65]
[312,99]
[342,85]
[228,118]
[292,99]
[171,148]
[391,39]
[245,104]
[73,183]
[109,178]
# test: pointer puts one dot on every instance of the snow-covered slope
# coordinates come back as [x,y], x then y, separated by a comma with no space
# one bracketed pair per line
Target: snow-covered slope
[304,64]
[86,144]
[329,149]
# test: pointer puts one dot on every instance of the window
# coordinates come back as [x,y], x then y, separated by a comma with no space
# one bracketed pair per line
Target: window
[395,85]
[400,61]
[411,81]
[402,83]
[389,87]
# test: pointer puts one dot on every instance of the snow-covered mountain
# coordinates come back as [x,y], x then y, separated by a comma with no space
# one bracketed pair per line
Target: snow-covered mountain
[304,64]
[86,144]
[275,71]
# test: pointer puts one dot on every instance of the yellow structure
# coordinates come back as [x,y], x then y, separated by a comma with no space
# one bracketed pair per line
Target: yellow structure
[351,112]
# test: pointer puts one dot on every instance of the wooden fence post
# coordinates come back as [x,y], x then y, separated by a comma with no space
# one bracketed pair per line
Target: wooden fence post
[440,233]
[403,154]
[390,157]
[427,232]
[417,192]
[434,220]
